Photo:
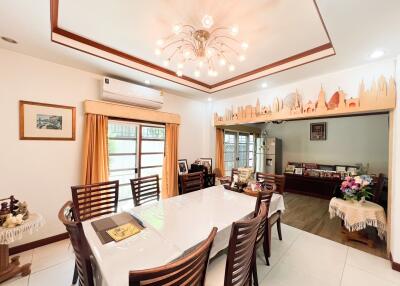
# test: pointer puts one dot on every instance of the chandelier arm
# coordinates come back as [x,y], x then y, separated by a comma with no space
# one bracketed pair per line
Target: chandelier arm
[189,26]
[218,29]
[226,45]
[174,52]
[226,37]
[175,42]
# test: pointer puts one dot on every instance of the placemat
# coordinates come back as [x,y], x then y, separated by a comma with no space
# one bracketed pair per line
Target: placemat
[102,225]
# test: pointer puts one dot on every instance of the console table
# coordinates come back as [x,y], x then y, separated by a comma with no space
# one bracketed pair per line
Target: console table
[320,187]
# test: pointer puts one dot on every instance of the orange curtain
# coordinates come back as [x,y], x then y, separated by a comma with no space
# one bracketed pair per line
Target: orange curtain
[219,153]
[170,167]
[95,149]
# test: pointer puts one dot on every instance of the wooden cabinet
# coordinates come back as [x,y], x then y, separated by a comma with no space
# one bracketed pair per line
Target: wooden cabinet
[312,186]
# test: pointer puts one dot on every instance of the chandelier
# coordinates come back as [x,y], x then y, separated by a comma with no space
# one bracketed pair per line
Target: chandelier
[205,49]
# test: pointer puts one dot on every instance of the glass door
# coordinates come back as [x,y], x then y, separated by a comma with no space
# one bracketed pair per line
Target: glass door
[238,150]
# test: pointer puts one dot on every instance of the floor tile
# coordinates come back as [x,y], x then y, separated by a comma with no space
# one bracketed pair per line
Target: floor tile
[60,275]
[354,276]
[24,258]
[216,271]
[50,255]
[289,233]
[17,282]
[318,257]
[373,264]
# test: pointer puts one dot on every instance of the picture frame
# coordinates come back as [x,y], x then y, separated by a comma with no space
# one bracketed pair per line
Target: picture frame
[340,168]
[183,167]
[290,169]
[44,121]
[207,162]
[352,170]
[318,131]
[298,171]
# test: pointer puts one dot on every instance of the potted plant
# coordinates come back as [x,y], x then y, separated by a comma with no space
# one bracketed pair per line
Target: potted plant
[357,188]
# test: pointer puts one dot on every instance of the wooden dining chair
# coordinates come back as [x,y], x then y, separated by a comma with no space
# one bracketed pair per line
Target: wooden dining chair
[279,181]
[191,182]
[240,262]
[145,189]
[189,270]
[95,200]
[264,233]
[80,245]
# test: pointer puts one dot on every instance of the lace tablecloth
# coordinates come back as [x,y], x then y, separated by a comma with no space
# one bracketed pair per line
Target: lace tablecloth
[9,235]
[357,216]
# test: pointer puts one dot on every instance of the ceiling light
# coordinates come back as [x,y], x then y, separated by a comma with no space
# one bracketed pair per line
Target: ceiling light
[147,82]
[160,42]
[209,99]
[9,40]
[376,54]
[264,85]
[234,30]
[197,73]
[207,21]
[200,46]
[177,28]
[179,73]
[166,63]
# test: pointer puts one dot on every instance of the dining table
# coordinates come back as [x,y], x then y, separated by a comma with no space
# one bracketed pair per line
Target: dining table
[172,228]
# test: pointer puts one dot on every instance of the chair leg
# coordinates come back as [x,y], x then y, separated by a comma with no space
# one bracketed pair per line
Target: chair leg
[75,277]
[266,253]
[255,276]
[278,226]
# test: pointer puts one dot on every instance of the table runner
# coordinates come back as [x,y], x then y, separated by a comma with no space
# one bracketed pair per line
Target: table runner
[9,235]
[356,216]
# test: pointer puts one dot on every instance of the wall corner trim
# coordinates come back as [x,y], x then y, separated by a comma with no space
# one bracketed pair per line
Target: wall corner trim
[395,265]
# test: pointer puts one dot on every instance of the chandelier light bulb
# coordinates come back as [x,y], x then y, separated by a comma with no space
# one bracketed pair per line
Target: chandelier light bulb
[166,63]
[210,72]
[244,45]
[197,73]
[179,73]
[209,52]
[222,62]
[200,63]
[231,68]
[160,42]
[207,21]
[187,54]
[157,52]
[242,58]
[215,73]
[177,28]
[180,66]
[234,30]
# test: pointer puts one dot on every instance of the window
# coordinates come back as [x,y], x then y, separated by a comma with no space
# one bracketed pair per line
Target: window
[134,150]
[238,150]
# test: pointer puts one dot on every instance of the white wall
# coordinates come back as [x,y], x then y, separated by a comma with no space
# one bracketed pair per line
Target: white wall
[350,140]
[41,172]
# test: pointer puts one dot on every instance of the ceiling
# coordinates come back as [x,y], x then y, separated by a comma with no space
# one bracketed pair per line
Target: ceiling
[317,37]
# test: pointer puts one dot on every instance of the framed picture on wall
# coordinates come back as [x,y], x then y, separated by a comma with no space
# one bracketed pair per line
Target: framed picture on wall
[182,167]
[318,131]
[43,121]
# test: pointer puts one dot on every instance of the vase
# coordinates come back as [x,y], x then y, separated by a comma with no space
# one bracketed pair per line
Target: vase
[361,201]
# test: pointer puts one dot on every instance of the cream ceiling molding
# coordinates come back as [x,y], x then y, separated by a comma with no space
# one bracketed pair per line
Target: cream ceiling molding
[123,111]
[380,97]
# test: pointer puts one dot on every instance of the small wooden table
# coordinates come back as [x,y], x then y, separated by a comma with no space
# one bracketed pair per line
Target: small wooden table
[10,268]
[357,216]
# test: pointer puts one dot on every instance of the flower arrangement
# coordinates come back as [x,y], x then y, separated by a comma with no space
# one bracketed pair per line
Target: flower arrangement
[357,188]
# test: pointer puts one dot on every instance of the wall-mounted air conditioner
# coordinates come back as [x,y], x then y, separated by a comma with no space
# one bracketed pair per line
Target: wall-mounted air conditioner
[133,94]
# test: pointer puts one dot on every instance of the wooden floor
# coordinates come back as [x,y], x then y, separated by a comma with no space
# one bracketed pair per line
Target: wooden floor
[311,214]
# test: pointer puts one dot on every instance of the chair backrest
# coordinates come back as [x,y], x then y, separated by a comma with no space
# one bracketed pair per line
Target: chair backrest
[79,244]
[241,247]
[263,197]
[192,182]
[278,180]
[378,188]
[95,200]
[145,189]
[188,270]
[234,171]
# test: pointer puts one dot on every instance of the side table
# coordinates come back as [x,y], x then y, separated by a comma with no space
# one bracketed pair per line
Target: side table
[10,268]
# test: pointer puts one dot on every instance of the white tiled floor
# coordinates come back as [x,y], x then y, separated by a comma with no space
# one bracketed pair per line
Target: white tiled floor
[300,259]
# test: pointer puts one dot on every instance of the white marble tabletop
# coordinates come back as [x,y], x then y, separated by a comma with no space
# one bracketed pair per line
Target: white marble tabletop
[173,226]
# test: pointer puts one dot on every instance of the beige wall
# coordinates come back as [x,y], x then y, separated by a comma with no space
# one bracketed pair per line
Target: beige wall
[41,172]
[350,140]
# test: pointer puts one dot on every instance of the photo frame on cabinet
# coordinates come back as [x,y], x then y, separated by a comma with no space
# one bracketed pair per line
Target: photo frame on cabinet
[182,167]
[207,162]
